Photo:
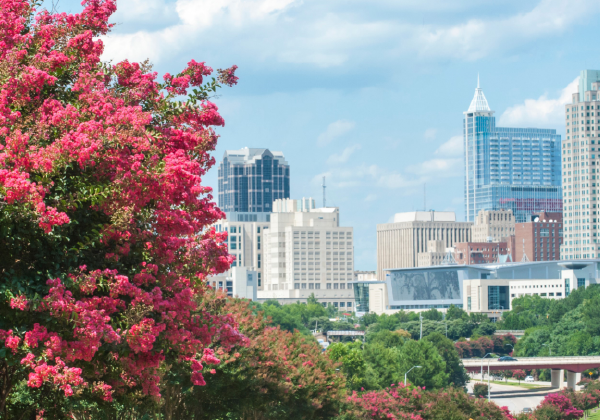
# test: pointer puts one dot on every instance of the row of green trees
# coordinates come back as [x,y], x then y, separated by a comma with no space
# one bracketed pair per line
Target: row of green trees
[567,327]
[456,324]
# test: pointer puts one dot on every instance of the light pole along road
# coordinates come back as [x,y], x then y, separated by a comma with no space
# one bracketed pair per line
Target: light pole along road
[406,374]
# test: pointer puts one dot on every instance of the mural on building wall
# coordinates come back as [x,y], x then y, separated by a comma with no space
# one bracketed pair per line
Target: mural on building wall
[424,285]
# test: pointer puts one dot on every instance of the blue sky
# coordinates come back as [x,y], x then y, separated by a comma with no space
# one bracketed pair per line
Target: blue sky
[369,93]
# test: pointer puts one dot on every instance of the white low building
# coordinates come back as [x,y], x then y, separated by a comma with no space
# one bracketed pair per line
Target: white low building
[483,288]
[237,282]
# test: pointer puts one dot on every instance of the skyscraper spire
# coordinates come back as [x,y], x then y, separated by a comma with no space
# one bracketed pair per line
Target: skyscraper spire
[479,103]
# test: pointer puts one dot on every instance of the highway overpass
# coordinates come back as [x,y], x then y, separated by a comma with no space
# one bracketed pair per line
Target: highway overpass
[573,365]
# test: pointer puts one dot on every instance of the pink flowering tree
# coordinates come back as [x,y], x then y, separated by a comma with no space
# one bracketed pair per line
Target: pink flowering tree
[519,374]
[105,237]
[558,406]
[414,403]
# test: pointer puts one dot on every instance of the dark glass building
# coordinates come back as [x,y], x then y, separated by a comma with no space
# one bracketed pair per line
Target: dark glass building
[251,179]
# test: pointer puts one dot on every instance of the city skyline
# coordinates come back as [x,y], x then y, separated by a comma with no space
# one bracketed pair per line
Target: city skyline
[376,105]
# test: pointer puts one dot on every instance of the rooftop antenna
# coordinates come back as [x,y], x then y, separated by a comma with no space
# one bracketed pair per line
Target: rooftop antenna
[524,259]
[449,258]
[324,198]
[424,196]
[477,80]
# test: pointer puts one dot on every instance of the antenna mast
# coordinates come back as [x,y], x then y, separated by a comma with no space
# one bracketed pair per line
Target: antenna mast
[424,196]
[524,258]
[324,198]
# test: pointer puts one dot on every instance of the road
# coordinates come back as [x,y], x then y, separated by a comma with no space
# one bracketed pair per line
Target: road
[514,397]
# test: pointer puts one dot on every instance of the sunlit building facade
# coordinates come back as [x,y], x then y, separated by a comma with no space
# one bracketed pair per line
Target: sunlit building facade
[514,169]
[581,170]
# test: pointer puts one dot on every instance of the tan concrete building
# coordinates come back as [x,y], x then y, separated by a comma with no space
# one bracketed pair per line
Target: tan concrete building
[436,251]
[309,252]
[580,169]
[400,242]
[493,225]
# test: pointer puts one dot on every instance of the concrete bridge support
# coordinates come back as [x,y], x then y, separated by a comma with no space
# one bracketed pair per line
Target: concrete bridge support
[558,376]
[572,379]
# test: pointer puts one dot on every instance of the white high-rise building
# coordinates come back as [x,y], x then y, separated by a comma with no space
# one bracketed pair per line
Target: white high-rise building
[308,252]
[246,233]
[580,169]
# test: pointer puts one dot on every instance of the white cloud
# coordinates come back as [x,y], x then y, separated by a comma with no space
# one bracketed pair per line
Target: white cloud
[365,175]
[344,156]
[205,13]
[541,112]
[430,134]
[371,197]
[328,34]
[335,130]
[453,147]
[437,167]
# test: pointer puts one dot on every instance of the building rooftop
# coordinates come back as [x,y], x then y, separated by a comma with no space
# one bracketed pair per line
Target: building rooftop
[246,154]
[479,103]
[425,216]
[568,264]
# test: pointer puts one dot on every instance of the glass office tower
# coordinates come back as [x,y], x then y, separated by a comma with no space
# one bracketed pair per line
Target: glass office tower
[509,168]
[581,166]
[251,179]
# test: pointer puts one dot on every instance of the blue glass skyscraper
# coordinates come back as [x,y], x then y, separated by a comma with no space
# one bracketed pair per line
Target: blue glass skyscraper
[509,168]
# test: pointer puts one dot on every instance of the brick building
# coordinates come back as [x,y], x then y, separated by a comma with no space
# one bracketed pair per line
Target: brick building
[482,252]
[541,238]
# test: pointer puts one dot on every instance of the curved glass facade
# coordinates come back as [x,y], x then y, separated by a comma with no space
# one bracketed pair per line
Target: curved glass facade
[361,297]
[510,168]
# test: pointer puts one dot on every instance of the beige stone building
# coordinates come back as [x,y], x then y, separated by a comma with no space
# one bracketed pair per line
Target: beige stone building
[436,251]
[493,225]
[580,169]
[400,242]
[308,252]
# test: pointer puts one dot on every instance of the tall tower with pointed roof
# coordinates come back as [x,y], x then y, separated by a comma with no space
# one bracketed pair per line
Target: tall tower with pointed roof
[508,168]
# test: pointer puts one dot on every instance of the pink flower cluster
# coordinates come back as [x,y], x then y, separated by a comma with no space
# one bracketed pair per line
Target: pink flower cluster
[227,76]
[19,302]
[58,374]
[143,335]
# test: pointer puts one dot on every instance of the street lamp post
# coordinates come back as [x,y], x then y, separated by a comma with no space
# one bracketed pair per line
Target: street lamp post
[549,348]
[406,374]
[488,380]
[482,365]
